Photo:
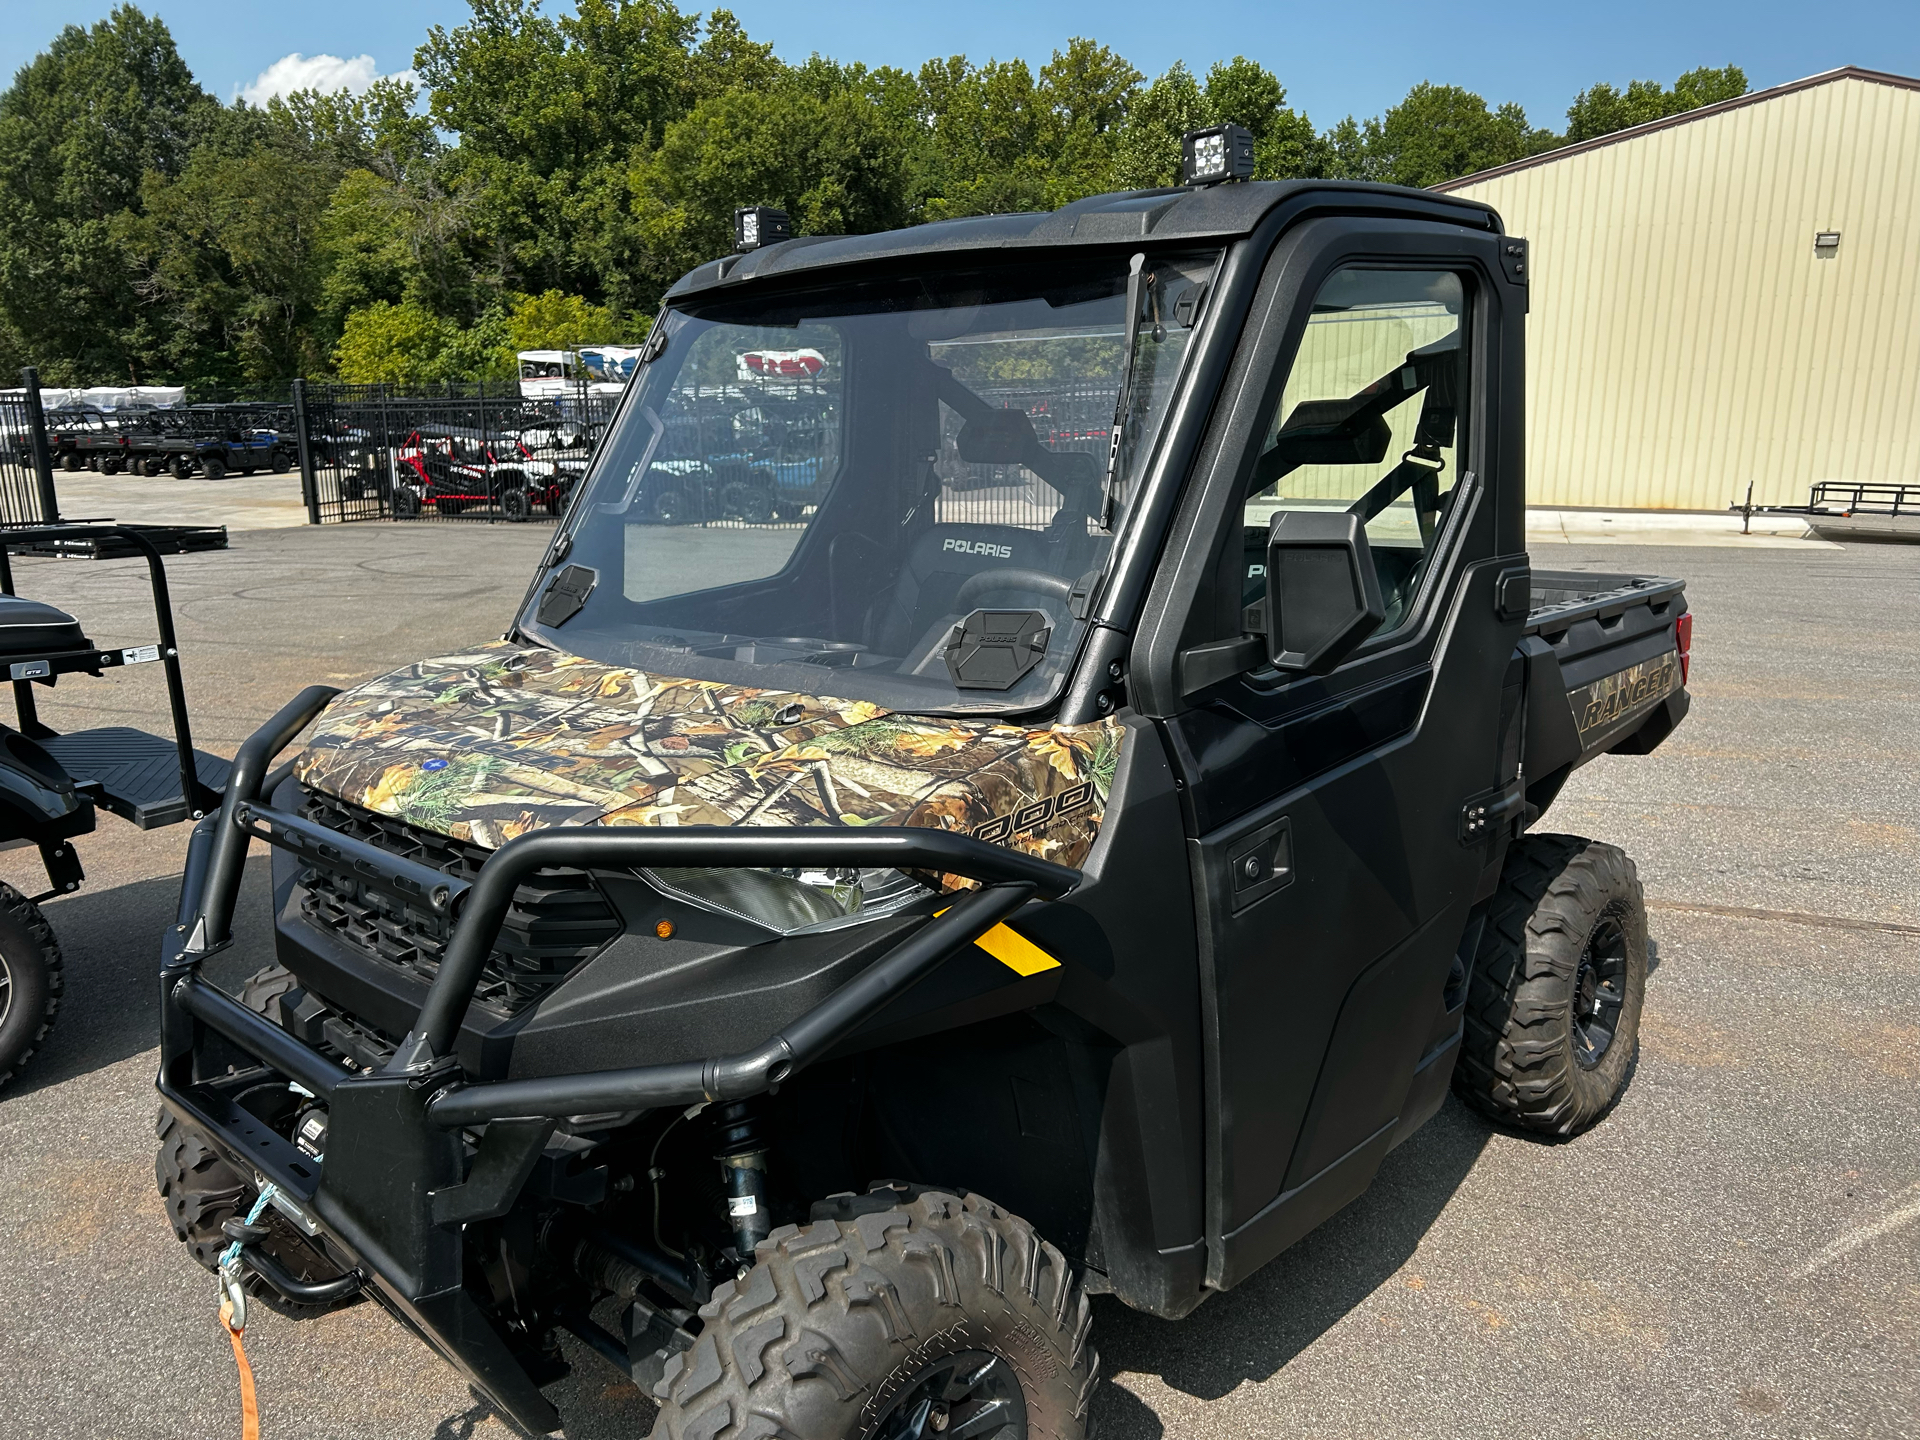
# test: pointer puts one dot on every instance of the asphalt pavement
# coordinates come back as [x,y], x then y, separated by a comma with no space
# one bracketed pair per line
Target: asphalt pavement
[1735,1251]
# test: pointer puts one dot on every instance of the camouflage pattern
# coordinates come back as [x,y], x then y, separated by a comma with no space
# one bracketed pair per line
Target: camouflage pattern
[503,739]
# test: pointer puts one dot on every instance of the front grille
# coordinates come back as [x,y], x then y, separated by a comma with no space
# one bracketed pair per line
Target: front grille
[558,919]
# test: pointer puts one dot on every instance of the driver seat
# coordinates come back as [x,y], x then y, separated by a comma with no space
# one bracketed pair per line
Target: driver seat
[943,559]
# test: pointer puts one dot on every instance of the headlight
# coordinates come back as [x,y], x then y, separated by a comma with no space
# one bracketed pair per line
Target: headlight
[792,902]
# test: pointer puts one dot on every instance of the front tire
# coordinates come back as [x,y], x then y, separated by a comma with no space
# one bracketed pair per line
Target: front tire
[1554,999]
[886,1318]
[30,979]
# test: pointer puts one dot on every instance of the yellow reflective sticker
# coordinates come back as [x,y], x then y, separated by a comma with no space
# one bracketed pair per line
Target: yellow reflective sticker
[1012,949]
[1016,952]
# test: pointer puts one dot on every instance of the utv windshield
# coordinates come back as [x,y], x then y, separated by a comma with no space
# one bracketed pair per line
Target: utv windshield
[896,491]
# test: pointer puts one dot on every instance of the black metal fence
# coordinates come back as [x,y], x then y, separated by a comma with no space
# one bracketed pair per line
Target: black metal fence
[26,460]
[372,454]
[731,455]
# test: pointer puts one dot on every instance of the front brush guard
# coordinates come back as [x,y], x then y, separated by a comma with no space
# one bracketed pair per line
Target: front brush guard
[398,1184]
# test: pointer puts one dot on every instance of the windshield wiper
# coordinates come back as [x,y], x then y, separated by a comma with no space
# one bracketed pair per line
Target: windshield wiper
[1136,287]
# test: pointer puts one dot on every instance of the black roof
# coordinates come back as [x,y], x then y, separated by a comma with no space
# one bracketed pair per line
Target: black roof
[1217,213]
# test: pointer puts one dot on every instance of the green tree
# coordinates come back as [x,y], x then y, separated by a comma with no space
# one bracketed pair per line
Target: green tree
[1086,91]
[1285,146]
[986,128]
[551,114]
[1147,154]
[80,128]
[558,321]
[229,258]
[409,344]
[833,163]
[402,344]
[1603,110]
[1438,133]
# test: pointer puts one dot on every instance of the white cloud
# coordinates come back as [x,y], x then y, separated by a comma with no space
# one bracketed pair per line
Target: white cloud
[325,73]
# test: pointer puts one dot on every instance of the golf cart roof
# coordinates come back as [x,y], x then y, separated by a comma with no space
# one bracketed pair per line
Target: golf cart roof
[1215,213]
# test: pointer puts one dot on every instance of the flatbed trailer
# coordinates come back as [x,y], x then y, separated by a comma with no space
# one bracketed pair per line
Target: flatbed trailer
[1855,510]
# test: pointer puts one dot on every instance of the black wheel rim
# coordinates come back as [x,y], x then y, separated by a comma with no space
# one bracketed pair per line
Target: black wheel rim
[1599,992]
[971,1395]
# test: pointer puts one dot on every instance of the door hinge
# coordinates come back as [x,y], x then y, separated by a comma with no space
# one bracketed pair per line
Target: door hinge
[1487,813]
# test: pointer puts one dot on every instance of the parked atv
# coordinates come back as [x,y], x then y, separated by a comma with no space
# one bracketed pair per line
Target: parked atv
[52,784]
[454,470]
[845,948]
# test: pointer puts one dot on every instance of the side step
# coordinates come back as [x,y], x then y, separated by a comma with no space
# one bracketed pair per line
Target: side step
[132,773]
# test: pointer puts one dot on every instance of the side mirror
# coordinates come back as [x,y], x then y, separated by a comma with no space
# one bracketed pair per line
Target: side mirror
[1323,595]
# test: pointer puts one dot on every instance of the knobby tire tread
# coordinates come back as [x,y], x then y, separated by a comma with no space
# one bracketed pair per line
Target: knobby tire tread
[836,1318]
[1517,1062]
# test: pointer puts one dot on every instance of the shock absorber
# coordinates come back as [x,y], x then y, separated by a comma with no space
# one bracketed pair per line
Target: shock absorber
[743,1167]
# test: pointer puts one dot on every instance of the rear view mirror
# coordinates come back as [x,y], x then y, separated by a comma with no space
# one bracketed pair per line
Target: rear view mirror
[997,437]
[1323,597]
[1326,432]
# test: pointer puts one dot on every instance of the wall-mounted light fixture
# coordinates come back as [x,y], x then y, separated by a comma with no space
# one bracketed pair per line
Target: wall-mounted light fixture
[1826,244]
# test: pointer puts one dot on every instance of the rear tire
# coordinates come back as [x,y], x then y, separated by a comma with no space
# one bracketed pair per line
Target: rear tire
[213,467]
[201,1191]
[406,504]
[516,505]
[30,979]
[879,1307]
[1554,1000]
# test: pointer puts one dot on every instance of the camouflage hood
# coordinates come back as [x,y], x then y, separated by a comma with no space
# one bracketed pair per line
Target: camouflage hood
[502,739]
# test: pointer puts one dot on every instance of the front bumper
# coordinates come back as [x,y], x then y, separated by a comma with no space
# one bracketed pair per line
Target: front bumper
[416,1152]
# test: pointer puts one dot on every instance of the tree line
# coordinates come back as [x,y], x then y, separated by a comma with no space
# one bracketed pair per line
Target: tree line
[566,167]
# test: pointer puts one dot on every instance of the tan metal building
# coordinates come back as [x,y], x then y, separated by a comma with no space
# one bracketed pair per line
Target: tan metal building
[1725,296]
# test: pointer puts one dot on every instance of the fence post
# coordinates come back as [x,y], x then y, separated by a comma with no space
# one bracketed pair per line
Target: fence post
[486,455]
[309,486]
[42,454]
[393,464]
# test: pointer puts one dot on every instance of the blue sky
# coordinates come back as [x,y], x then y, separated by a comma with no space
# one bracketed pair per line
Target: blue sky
[1333,58]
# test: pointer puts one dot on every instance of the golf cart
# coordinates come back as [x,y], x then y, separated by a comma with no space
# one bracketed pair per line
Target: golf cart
[52,785]
[807,963]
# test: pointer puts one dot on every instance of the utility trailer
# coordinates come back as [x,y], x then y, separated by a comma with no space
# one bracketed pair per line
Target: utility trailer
[846,948]
[1855,510]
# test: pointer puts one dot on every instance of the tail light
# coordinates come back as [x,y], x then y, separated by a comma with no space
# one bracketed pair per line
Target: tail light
[1683,641]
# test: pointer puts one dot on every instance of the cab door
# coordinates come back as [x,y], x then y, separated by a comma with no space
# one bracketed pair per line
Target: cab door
[1325,813]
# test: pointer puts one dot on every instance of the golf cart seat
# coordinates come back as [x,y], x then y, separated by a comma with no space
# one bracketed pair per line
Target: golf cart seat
[28,627]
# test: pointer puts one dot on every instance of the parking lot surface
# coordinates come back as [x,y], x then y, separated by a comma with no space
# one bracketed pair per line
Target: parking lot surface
[1735,1251]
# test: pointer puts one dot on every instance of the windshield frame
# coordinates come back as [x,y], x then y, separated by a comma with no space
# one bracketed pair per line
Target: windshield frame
[1171,408]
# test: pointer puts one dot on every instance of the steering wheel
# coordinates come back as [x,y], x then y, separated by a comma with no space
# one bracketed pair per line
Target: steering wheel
[1013,577]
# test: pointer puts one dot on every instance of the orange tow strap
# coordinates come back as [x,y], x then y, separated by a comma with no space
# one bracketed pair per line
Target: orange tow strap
[249,1406]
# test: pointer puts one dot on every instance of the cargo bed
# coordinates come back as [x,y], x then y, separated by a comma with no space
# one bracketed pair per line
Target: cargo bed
[1616,648]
